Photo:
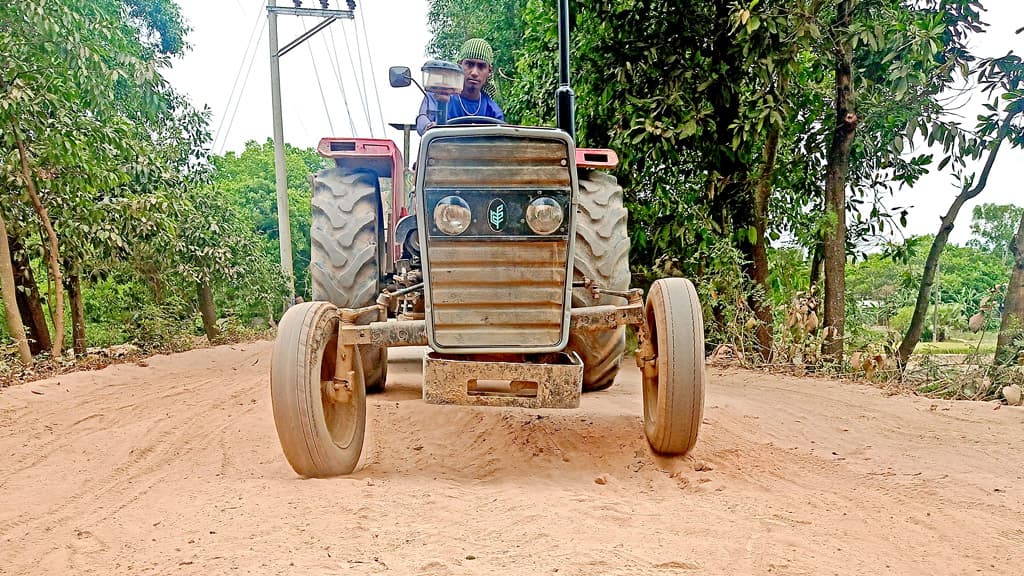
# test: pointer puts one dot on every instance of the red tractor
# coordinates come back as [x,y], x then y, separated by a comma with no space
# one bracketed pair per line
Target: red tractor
[510,261]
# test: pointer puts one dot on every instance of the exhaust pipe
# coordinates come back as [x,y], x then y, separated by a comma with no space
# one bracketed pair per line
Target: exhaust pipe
[564,96]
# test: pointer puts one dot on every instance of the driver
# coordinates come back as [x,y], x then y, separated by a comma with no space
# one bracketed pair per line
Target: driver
[477,59]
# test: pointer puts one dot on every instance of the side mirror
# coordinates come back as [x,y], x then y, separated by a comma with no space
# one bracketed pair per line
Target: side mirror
[400,76]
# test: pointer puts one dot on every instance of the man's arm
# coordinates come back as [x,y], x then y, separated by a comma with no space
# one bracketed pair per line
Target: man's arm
[428,112]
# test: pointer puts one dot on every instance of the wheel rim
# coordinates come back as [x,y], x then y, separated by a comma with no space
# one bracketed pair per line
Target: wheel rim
[340,416]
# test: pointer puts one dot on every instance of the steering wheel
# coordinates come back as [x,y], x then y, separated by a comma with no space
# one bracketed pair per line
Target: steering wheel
[461,120]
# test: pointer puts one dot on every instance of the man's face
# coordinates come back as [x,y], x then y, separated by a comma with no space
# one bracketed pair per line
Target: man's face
[477,73]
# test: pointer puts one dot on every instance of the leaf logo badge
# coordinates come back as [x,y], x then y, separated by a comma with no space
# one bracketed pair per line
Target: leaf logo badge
[496,214]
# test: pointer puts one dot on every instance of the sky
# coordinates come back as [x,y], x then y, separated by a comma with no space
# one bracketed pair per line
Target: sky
[228,70]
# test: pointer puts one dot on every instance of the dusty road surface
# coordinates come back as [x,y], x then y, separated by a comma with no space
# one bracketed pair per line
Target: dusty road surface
[174,468]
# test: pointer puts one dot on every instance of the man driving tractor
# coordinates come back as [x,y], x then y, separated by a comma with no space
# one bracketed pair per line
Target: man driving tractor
[477,60]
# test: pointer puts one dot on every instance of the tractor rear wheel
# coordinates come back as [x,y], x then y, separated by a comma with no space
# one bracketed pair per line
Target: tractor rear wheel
[674,390]
[348,251]
[602,255]
[320,420]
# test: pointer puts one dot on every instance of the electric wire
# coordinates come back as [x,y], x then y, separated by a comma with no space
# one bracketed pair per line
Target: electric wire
[369,56]
[238,74]
[316,73]
[336,65]
[362,74]
[241,91]
[359,88]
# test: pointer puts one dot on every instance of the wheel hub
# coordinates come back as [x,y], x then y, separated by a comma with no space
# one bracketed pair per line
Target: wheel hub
[338,391]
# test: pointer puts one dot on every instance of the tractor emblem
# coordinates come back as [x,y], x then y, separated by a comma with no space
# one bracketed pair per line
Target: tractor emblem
[496,214]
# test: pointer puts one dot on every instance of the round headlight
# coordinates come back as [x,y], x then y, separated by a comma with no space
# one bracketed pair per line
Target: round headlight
[544,215]
[452,215]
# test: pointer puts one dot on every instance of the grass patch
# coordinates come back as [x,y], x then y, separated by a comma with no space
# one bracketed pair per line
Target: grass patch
[961,343]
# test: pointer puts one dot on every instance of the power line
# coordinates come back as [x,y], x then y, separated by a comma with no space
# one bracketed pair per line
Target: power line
[336,63]
[238,74]
[362,74]
[316,73]
[359,87]
[369,56]
[238,102]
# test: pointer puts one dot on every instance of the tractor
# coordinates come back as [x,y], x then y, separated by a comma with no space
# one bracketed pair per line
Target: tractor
[508,259]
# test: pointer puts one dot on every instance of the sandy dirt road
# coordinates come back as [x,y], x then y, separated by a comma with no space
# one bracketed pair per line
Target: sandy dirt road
[174,468]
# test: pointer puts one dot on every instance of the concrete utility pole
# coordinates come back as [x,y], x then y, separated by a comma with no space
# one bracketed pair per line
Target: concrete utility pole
[284,234]
[280,165]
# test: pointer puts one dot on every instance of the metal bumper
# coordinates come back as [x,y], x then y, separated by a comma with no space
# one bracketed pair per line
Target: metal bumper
[549,380]
[413,332]
[555,381]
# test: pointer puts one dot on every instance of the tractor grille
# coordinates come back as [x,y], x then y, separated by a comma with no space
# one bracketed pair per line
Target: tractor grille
[504,287]
[487,294]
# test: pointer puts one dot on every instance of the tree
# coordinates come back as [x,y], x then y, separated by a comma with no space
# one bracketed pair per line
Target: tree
[705,100]
[7,291]
[1011,329]
[247,180]
[1004,74]
[993,227]
[78,82]
[835,184]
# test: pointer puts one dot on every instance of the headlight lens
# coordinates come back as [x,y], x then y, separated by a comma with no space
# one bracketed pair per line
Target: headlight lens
[544,215]
[452,215]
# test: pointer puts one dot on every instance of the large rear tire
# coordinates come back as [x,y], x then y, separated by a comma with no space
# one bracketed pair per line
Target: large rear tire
[602,254]
[674,395]
[347,251]
[321,432]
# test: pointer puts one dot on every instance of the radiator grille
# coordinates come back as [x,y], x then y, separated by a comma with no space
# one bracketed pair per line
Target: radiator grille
[500,289]
[491,294]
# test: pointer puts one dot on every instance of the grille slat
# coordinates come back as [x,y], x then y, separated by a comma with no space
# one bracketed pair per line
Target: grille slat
[498,294]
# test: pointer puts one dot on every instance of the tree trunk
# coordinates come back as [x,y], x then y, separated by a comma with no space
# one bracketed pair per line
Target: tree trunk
[29,303]
[835,187]
[77,313]
[760,303]
[208,311]
[817,258]
[1013,305]
[7,290]
[913,335]
[58,315]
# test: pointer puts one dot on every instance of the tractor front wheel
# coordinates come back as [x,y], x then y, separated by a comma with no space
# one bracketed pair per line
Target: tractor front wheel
[673,386]
[320,415]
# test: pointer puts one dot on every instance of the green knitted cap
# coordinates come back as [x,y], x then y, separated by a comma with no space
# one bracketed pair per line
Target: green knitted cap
[477,49]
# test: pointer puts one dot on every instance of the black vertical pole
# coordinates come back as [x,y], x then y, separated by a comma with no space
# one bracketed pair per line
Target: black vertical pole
[566,100]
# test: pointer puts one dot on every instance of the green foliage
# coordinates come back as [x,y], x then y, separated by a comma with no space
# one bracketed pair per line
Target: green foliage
[887,283]
[246,181]
[993,227]
[950,317]
[120,164]
[687,94]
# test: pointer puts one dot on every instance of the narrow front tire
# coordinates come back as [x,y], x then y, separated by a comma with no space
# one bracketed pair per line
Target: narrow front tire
[673,387]
[320,416]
